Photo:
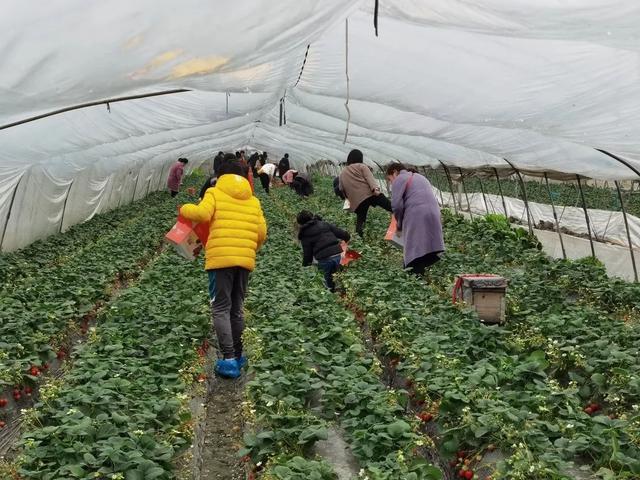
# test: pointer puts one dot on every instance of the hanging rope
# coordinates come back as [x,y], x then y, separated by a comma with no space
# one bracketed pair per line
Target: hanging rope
[304,62]
[283,109]
[346,103]
[375,17]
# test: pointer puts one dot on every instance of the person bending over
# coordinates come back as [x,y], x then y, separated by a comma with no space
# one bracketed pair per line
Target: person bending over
[361,189]
[321,240]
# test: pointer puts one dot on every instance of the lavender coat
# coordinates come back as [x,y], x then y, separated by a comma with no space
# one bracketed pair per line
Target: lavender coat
[418,216]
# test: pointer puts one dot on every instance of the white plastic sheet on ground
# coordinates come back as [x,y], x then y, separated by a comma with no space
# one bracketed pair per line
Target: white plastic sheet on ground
[541,84]
[606,225]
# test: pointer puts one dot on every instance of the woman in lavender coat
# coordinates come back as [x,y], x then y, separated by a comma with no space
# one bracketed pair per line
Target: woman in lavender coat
[418,216]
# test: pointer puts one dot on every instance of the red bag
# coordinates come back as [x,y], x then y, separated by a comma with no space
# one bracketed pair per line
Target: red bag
[392,233]
[188,238]
[348,255]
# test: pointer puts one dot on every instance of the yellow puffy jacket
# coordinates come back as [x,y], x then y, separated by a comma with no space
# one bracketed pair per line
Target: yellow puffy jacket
[238,228]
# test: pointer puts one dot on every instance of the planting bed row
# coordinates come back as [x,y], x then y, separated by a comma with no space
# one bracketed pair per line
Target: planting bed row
[312,374]
[123,410]
[556,388]
[51,287]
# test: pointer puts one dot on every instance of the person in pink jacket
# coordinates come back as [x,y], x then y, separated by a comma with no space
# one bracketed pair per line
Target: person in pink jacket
[288,177]
[175,176]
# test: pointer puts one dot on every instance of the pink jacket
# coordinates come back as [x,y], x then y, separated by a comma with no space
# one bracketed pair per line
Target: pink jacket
[287,178]
[175,175]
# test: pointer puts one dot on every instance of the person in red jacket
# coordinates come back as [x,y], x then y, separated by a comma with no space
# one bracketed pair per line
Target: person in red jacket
[175,176]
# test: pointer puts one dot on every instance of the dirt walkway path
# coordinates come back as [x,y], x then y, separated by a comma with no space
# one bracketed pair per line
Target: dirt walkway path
[223,431]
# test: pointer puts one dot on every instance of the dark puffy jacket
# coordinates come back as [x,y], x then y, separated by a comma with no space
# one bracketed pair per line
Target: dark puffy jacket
[217,162]
[211,182]
[302,185]
[284,166]
[321,240]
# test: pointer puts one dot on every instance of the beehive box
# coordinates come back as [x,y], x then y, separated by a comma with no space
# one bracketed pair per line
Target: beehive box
[486,294]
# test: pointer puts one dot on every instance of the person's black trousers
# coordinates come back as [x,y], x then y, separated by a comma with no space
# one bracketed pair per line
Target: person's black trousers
[362,210]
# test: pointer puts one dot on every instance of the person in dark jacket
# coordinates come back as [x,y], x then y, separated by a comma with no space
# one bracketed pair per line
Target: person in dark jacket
[253,163]
[284,166]
[211,181]
[321,240]
[217,162]
[302,185]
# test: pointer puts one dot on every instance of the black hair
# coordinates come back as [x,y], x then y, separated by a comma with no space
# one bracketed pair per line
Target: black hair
[286,155]
[304,216]
[229,157]
[355,156]
[395,167]
[183,160]
[231,167]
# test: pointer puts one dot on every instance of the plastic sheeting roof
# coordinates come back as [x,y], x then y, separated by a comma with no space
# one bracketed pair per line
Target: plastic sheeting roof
[463,82]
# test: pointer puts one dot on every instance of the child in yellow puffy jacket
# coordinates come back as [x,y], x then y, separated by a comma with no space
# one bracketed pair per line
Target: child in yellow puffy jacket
[237,231]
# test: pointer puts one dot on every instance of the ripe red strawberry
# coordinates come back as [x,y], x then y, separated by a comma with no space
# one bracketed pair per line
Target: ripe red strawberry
[3,402]
[588,410]
[45,366]
[425,417]
[17,395]
[2,424]
[461,473]
[462,454]
[468,474]
[34,371]
[28,391]
[453,463]
[595,407]
[61,354]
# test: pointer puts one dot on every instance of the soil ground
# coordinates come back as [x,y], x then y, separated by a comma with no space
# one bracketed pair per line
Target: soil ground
[223,431]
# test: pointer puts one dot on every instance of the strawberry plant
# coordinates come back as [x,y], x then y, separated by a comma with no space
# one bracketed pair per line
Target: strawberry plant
[311,371]
[571,339]
[123,407]
[46,293]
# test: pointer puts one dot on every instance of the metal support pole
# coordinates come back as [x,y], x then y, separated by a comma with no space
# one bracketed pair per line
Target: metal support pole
[626,225]
[504,203]
[526,200]
[555,216]
[484,197]
[453,197]
[464,189]
[148,186]
[64,207]
[439,186]
[436,179]
[6,223]
[586,216]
